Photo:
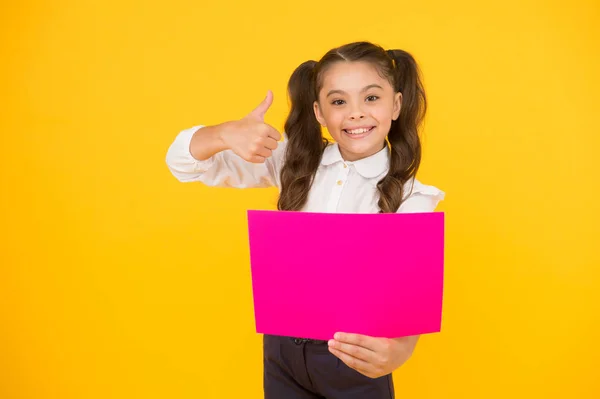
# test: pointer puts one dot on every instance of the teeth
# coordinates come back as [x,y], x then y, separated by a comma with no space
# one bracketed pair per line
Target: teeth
[358,131]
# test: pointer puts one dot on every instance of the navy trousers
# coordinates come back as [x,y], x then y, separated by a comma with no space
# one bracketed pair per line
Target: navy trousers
[302,369]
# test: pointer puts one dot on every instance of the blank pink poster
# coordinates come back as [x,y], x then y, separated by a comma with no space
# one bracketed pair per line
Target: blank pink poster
[314,274]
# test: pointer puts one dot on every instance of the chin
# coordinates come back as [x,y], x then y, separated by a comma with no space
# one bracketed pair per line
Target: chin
[360,151]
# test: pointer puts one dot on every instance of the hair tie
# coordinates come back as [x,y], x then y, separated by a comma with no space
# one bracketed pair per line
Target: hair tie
[390,54]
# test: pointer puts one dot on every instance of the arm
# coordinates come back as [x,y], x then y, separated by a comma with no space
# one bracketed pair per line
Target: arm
[199,154]
[373,356]
[243,153]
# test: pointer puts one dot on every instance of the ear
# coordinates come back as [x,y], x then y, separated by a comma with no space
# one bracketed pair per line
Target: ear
[318,113]
[397,105]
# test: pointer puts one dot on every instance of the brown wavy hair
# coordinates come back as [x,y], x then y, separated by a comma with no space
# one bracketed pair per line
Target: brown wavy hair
[305,139]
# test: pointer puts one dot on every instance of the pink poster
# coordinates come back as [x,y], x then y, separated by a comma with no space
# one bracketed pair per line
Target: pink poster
[314,274]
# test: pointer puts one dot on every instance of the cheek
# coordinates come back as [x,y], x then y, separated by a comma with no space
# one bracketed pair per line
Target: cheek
[384,117]
[384,113]
[334,119]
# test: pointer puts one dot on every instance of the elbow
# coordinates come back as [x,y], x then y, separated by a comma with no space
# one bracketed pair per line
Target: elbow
[180,161]
[186,170]
[174,165]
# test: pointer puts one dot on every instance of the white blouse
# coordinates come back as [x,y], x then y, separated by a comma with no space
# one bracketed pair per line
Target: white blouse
[339,186]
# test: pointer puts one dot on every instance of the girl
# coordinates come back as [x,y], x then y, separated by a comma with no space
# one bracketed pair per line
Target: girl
[372,103]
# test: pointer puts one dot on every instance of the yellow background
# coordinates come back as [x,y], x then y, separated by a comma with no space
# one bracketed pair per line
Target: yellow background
[117,281]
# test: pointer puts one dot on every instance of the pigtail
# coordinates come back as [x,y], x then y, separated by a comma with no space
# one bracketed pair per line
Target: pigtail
[305,140]
[405,145]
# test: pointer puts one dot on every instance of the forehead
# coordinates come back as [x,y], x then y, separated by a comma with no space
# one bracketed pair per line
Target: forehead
[352,76]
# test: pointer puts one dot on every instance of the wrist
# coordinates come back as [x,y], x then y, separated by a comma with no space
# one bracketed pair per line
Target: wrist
[208,141]
[221,136]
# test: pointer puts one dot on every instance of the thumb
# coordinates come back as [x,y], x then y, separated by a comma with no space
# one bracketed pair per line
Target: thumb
[259,112]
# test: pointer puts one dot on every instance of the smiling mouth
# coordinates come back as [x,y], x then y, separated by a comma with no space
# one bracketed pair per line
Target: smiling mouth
[359,133]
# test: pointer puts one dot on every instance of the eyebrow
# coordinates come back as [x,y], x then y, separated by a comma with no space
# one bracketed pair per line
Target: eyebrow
[364,89]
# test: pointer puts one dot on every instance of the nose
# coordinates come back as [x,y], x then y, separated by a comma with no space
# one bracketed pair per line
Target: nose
[357,113]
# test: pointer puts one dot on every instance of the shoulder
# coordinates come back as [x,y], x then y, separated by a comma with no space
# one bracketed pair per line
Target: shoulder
[419,197]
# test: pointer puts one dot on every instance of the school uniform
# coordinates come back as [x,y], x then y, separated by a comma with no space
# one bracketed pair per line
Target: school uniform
[296,367]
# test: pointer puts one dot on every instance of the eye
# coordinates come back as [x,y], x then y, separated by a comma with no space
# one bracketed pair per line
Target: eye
[372,98]
[337,102]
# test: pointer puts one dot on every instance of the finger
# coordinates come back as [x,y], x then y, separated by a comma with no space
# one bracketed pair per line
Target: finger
[263,152]
[259,112]
[356,351]
[359,365]
[257,159]
[364,341]
[274,133]
[270,143]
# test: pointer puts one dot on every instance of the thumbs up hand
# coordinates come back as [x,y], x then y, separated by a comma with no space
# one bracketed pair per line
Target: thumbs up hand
[250,137]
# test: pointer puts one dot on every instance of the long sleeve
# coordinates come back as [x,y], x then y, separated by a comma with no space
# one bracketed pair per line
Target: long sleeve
[420,198]
[224,169]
